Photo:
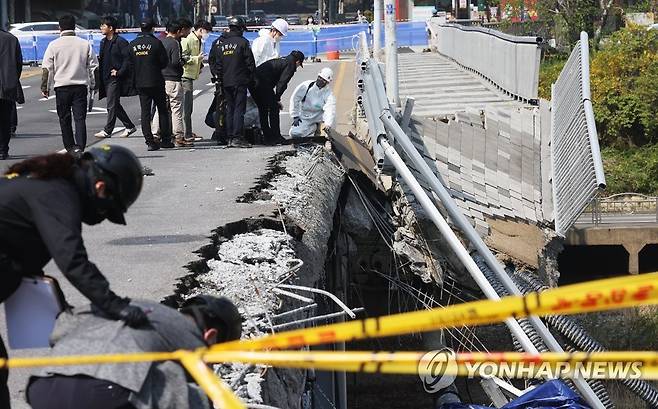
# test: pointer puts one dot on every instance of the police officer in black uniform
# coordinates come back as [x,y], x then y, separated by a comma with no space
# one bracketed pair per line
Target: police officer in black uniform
[149,58]
[43,203]
[275,73]
[216,116]
[234,68]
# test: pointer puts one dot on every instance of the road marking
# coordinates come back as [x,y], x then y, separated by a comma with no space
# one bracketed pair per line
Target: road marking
[197,92]
[284,113]
[94,111]
[26,86]
[19,107]
[210,84]
[47,99]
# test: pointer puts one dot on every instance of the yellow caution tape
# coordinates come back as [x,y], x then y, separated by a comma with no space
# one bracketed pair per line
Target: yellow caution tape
[598,295]
[221,395]
[598,365]
[580,298]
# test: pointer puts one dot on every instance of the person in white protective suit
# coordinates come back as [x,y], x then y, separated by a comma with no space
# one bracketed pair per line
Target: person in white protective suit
[266,46]
[311,104]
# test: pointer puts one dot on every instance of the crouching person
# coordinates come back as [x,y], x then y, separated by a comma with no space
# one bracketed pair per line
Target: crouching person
[311,104]
[203,320]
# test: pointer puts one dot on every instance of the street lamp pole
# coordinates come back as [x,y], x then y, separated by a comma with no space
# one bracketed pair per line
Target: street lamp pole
[4,17]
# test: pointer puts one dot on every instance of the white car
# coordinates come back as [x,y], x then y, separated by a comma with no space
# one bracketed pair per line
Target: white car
[39,26]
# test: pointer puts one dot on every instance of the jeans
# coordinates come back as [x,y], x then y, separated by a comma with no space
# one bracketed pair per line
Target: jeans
[114,108]
[148,96]
[236,106]
[72,98]
[174,92]
[7,108]
[188,103]
[268,112]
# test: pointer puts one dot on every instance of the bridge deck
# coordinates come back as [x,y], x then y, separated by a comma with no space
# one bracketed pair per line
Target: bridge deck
[492,151]
[441,87]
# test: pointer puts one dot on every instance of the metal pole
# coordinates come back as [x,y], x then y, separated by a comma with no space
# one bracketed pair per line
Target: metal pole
[210,11]
[28,11]
[246,7]
[452,239]
[391,53]
[462,223]
[377,30]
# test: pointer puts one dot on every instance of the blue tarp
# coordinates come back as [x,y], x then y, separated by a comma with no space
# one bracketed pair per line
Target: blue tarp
[549,395]
[334,38]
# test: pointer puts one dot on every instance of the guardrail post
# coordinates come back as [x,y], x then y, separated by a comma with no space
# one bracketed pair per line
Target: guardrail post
[391,53]
[377,29]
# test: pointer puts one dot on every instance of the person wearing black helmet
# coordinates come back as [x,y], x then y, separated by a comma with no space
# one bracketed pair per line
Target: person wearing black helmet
[43,203]
[201,321]
[272,78]
[234,67]
[149,58]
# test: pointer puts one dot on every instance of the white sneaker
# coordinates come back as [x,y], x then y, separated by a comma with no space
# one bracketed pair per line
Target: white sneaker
[102,135]
[127,132]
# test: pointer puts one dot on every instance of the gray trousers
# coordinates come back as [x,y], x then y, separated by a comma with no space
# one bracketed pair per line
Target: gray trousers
[188,103]
[114,108]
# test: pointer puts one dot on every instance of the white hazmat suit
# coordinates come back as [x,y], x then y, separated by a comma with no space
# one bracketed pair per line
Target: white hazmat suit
[319,106]
[265,47]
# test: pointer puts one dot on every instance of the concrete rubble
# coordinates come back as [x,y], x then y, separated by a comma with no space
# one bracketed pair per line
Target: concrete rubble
[248,265]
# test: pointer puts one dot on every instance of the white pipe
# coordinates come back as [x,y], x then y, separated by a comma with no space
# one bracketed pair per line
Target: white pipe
[391,53]
[452,239]
[337,300]
[474,238]
[377,18]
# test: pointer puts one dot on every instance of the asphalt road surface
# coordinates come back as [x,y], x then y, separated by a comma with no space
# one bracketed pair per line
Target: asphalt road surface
[192,192]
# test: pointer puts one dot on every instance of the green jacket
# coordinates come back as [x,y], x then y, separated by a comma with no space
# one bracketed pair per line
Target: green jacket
[191,49]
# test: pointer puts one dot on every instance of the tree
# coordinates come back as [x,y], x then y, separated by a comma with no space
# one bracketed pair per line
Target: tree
[624,82]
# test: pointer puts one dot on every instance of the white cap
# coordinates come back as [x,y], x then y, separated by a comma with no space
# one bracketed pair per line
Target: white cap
[326,74]
[281,26]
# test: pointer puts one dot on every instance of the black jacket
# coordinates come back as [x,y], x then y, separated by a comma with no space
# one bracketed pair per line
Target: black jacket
[40,220]
[11,66]
[233,60]
[116,54]
[174,69]
[149,57]
[276,73]
[213,56]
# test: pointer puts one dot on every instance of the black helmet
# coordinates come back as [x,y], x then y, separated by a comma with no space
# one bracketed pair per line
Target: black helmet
[237,21]
[215,312]
[126,174]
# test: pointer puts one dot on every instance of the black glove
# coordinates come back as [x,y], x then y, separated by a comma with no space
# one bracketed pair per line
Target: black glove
[296,121]
[133,316]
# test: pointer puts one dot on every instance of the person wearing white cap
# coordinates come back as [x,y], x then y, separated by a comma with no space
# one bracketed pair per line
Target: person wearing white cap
[266,46]
[311,104]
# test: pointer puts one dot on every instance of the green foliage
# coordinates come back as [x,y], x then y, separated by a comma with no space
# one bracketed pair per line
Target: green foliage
[631,169]
[548,72]
[573,16]
[624,82]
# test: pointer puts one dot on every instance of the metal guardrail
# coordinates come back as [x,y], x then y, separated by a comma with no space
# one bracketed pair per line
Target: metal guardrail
[621,208]
[371,87]
[511,63]
[577,168]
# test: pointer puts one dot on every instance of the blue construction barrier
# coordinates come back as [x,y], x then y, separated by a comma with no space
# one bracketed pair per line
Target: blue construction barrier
[310,42]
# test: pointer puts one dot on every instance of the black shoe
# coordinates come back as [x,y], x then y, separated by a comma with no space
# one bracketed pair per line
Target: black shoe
[222,142]
[152,146]
[167,145]
[239,143]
